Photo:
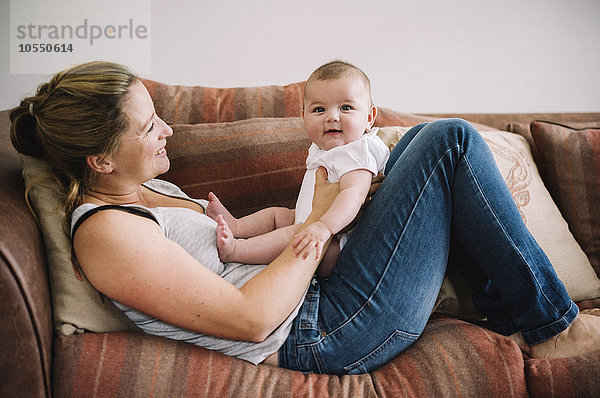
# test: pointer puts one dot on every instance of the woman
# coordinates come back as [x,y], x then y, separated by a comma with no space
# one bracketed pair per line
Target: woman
[152,251]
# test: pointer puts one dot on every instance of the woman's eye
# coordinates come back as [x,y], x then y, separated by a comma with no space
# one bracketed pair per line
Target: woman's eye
[151,128]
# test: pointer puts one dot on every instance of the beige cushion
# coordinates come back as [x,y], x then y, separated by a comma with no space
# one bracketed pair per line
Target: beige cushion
[77,306]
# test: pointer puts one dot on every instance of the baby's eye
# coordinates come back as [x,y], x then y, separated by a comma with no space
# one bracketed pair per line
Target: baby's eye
[318,109]
[346,108]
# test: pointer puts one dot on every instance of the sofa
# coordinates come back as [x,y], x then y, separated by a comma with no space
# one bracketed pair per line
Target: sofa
[247,145]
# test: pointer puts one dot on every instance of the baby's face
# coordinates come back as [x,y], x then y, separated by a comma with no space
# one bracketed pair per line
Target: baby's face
[337,112]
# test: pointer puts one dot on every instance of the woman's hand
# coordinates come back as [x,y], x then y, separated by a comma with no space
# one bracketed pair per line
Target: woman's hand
[375,184]
[325,193]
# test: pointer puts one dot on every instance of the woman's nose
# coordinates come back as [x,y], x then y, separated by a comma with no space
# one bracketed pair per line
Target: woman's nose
[167,131]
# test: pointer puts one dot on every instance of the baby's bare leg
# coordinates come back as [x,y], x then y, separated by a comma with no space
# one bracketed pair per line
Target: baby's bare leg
[261,222]
[226,243]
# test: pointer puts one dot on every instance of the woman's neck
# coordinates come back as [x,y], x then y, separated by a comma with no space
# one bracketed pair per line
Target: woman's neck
[122,195]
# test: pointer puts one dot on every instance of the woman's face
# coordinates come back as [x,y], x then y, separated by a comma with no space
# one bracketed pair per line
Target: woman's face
[141,154]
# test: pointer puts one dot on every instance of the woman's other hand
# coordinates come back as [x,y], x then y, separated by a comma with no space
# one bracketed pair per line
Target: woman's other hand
[325,193]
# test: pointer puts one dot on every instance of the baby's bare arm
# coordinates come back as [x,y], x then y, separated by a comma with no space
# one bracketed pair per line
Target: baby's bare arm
[354,187]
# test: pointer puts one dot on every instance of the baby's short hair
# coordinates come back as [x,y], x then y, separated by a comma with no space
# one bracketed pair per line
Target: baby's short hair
[334,69]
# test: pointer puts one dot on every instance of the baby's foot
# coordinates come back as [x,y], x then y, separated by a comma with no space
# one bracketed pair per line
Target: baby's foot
[225,241]
[216,208]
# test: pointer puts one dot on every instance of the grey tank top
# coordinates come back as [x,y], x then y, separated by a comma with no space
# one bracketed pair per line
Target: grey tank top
[195,232]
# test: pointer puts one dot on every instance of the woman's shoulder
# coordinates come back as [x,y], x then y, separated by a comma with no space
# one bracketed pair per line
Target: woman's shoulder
[111,216]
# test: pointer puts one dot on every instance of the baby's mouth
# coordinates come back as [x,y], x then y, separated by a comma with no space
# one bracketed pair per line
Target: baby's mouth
[333,131]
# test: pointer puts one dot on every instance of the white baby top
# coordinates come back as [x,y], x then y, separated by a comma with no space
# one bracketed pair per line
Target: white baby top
[368,153]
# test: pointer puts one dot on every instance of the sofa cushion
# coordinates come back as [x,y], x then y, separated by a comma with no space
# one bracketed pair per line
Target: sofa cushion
[199,104]
[564,377]
[177,104]
[248,164]
[132,364]
[571,170]
[452,358]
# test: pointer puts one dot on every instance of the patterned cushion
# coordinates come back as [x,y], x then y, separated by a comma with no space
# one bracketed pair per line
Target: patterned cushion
[571,170]
[540,214]
[453,358]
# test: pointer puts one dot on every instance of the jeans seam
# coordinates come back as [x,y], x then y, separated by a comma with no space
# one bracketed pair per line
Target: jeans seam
[506,235]
[377,351]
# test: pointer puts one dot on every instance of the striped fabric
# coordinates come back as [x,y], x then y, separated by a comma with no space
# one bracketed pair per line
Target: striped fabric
[565,377]
[248,164]
[197,104]
[455,359]
[571,170]
[388,117]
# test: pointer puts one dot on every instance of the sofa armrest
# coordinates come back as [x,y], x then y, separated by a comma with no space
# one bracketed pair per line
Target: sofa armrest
[26,312]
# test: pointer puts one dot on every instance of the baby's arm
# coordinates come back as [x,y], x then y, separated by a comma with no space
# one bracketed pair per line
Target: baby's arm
[354,187]
[261,222]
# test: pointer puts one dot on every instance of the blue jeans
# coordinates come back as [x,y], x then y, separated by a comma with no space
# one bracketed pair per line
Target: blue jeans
[443,199]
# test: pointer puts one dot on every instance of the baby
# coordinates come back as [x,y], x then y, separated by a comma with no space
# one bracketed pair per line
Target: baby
[338,114]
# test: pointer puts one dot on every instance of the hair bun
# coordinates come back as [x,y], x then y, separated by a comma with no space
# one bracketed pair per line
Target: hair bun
[23,134]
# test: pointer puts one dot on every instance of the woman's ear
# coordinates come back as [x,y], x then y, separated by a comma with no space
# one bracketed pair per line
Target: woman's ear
[372,115]
[99,163]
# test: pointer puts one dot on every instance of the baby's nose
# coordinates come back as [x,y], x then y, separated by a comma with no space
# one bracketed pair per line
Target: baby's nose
[333,116]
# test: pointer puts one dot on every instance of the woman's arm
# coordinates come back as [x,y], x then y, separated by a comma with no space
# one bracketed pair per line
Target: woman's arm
[129,260]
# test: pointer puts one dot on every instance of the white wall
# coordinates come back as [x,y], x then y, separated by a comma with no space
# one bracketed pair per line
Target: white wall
[422,56]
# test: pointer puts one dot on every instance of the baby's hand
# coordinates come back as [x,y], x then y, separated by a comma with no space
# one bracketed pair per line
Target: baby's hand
[313,236]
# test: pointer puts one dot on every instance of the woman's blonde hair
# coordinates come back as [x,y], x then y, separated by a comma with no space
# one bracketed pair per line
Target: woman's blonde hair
[76,114]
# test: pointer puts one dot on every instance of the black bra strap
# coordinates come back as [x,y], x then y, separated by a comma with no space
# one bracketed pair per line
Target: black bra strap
[95,210]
